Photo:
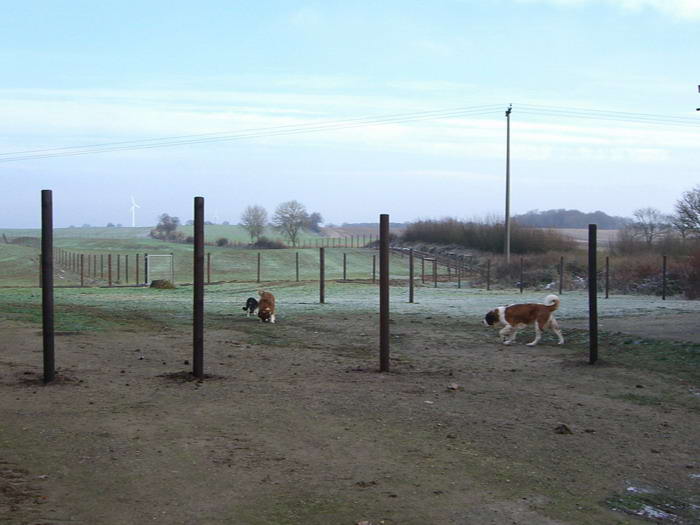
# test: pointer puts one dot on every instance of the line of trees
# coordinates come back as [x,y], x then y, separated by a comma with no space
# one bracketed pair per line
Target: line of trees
[290,219]
[670,233]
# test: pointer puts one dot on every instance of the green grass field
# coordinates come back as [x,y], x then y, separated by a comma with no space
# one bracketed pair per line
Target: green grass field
[19,263]
[212,232]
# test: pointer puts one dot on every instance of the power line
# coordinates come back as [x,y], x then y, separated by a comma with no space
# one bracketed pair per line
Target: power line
[244,134]
[585,113]
[291,129]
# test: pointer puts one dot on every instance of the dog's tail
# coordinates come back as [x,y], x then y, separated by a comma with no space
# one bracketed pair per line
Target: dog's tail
[552,301]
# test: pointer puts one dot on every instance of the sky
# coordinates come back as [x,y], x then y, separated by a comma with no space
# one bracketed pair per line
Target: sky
[247,103]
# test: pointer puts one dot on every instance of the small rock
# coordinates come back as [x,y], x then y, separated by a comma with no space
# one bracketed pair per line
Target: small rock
[563,429]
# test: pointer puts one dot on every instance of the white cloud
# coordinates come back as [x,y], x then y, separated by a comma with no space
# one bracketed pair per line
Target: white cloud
[44,119]
[682,9]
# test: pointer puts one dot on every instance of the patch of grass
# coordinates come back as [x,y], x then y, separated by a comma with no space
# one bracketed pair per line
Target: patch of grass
[303,509]
[639,399]
[659,507]
[669,357]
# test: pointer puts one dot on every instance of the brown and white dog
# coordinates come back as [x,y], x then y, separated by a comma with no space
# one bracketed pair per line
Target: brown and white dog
[517,316]
[266,307]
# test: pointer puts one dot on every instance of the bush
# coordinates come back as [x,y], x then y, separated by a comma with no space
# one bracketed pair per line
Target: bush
[692,277]
[487,236]
[268,244]
[222,241]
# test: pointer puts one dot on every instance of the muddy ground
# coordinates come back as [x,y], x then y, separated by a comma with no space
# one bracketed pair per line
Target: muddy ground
[295,425]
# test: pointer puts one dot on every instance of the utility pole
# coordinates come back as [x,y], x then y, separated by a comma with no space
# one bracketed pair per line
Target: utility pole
[510,108]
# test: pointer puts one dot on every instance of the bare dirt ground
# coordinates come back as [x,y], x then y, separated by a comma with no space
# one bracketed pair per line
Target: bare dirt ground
[295,425]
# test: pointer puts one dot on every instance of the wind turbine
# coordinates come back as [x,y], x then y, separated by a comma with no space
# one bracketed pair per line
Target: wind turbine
[133,211]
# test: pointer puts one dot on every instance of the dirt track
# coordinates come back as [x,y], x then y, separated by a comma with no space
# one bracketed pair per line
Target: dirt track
[296,426]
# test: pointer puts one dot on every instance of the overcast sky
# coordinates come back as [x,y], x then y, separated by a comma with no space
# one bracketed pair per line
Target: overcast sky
[83,73]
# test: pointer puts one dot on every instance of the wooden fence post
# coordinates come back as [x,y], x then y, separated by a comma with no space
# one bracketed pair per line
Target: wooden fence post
[488,274]
[663,278]
[322,275]
[47,302]
[592,294]
[384,336]
[410,275]
[198,291]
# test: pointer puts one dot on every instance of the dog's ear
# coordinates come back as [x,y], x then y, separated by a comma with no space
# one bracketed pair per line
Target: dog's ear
[491,317]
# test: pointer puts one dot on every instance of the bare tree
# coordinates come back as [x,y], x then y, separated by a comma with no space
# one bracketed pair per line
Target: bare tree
[253,220]
[649,224]
[289,218]
[687,217]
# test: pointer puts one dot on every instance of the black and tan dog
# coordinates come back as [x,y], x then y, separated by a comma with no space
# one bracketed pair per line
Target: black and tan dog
[251,306]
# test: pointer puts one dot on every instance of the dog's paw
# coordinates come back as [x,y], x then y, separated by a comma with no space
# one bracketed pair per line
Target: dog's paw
[507,342]
[530,344]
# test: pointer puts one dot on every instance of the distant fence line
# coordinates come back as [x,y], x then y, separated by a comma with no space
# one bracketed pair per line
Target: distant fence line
[435,270]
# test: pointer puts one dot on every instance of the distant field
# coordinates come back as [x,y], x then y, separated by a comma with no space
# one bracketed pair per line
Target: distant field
[581,234]
[19,265]
[212,232]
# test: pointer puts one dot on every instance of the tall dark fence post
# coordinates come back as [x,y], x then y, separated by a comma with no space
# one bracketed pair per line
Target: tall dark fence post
[488,274]
[198,289]
[126,268]
[663,278]
[208,267]
[136,280]
[435,273]
[561,274]
[119,276]
[384,293]
[297,265]
[374,269]
[82,270]
[258,267]
[460,265]
[109,269]
[145,268]
[592,293]
[321,275]
[102,266]
[410,275]
[47,285]
[345,266]
[520,283]
[607,277]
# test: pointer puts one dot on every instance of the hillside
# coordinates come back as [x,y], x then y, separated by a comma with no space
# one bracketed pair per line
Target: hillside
[575,219]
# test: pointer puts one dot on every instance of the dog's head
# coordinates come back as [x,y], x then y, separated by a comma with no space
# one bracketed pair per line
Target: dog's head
[491,318]
[265,315]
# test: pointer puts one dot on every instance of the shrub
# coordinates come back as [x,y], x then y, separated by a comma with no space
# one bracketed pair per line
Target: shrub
[487,236]
[692,277]
[268,244]
[222,241]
